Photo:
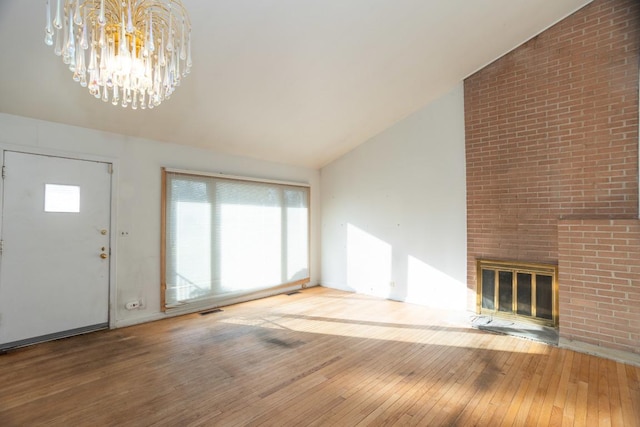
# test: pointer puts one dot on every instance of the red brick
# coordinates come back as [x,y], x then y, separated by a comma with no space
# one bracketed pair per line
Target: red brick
[551,137]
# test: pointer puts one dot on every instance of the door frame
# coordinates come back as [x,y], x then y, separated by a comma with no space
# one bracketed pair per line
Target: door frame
[113,205]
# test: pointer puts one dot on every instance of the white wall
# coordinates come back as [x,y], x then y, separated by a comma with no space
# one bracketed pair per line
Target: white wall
[394,211]
[137,184]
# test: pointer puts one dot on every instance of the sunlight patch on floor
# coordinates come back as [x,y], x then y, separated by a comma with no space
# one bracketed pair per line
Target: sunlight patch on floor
[417,334]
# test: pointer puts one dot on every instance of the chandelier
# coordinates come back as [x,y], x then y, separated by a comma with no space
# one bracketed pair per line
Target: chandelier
[128,52]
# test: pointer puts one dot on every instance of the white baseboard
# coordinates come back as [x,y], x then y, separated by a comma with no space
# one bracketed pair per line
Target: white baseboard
[137,320]
[194,309]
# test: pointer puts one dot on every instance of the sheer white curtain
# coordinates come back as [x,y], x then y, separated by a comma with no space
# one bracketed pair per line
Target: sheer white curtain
[232,237]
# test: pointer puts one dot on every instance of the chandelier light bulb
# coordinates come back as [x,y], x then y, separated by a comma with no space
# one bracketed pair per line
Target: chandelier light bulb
[130,52]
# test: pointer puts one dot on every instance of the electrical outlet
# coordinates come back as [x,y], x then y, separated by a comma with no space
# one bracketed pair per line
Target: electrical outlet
[392,284]
[132,305]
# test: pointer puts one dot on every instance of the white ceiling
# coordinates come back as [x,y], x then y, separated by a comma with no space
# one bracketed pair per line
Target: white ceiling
[294,81]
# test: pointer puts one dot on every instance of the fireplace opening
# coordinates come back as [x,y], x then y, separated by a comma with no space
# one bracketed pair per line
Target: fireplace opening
[520,291]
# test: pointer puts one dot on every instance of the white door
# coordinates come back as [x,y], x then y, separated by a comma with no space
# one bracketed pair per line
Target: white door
[54,265]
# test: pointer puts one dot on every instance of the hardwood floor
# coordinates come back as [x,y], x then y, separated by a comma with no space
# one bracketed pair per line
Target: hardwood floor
[319,358]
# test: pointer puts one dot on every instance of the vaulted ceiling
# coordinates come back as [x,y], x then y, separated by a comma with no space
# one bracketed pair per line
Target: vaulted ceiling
[293,81]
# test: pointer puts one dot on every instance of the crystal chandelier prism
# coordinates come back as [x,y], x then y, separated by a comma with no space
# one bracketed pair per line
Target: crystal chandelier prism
[129,52]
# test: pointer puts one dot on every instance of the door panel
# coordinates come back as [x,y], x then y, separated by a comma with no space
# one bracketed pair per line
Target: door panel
[53,280]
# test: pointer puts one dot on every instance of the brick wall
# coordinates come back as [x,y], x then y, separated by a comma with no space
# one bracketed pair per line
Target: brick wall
[599,278]
[552,167]
[551,133]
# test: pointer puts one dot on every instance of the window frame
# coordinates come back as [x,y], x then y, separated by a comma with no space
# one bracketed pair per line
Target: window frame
[165,171]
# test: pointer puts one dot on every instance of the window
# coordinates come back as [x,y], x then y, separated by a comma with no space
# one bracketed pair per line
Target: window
[61,198]
[229,237]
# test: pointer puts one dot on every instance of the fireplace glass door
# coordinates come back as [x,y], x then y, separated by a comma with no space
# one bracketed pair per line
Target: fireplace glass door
[518,290]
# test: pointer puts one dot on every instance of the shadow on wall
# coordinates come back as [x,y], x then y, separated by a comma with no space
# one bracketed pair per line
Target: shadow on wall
[370,270]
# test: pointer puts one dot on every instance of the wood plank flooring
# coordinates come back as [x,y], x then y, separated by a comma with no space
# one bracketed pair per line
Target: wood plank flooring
[317,358]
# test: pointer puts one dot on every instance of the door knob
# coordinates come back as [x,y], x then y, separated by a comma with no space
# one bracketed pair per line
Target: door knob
[103,256]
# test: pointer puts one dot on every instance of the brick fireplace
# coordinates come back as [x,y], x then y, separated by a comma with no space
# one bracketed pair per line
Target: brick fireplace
[552,168]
